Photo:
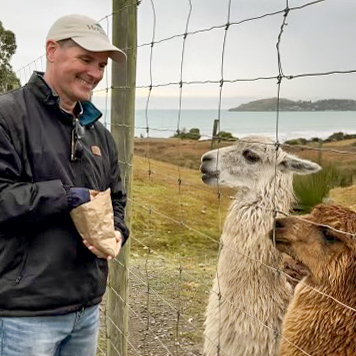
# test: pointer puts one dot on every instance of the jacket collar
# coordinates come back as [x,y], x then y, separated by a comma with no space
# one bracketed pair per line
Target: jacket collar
[88,114]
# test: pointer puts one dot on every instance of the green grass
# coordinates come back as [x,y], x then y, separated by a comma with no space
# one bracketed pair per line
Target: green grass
[313,189]
[173,217]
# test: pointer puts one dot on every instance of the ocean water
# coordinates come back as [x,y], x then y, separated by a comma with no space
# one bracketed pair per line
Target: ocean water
[164,123]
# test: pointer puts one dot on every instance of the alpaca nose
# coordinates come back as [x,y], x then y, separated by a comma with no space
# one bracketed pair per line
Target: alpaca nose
[206,158]
[279,223]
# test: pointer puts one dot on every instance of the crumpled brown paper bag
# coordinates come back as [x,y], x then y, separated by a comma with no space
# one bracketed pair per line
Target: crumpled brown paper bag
[94,221]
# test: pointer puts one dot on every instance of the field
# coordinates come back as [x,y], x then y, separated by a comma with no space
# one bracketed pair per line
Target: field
[173,256]
[177,222]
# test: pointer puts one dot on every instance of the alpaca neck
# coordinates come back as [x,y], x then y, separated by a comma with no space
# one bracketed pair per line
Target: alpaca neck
[251,216]
[277,193]
[338,279]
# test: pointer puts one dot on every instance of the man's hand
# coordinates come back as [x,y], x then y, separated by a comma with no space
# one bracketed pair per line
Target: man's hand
[100,254]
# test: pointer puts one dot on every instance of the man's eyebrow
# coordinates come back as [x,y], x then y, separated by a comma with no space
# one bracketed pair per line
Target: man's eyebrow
[88,56]
[85,55]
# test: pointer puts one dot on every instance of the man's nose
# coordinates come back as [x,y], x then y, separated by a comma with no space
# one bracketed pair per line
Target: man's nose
[96,73]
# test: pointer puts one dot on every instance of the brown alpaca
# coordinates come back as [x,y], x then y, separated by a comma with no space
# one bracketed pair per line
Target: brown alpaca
[315,323]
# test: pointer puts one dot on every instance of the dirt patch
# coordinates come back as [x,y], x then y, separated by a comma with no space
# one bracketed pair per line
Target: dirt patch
[167,305]
[167,302]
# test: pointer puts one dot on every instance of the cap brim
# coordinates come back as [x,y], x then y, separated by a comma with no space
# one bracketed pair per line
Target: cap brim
[99,45]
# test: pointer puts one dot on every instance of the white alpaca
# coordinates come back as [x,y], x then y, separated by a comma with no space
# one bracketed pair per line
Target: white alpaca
[254,297]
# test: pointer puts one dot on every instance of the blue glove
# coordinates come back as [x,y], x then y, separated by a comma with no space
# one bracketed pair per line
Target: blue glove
[77,196]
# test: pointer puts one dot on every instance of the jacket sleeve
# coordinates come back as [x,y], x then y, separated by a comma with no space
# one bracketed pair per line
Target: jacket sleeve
[22,200]
[118,193]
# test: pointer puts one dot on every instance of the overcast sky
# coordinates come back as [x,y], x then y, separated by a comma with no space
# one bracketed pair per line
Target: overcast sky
[319,38]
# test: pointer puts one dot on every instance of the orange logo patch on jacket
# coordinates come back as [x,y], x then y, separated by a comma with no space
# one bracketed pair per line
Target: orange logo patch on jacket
[96,150]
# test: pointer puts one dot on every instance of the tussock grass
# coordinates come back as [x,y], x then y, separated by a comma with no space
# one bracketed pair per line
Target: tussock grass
[314,189]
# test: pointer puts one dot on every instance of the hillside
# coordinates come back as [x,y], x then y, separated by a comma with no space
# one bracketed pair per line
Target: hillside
[290,105]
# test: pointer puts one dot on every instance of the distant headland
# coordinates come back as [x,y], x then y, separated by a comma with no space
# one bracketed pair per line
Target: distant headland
[290,105]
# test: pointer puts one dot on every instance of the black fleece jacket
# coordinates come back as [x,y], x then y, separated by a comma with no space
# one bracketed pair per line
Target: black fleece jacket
[45,269]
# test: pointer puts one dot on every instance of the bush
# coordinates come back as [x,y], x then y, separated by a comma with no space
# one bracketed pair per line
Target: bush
[339,136]
[223,135]
[313,189]
[193,134]
[336,136]
[315,139]
[297,141]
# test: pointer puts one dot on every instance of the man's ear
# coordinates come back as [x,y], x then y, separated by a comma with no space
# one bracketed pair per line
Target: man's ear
[51,48]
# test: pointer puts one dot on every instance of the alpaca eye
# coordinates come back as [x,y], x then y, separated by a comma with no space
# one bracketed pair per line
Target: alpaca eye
[328,236]
[250,156]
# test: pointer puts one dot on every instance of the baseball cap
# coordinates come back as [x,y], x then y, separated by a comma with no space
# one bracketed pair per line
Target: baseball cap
[87,33]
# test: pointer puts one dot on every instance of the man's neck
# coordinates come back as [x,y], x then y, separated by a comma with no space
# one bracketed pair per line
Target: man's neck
[65,109]
[66,105]
[69,107]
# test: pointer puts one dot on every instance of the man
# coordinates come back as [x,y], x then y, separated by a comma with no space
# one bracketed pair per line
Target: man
[53,155]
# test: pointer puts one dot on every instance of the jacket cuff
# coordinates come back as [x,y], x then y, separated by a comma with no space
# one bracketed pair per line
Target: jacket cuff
[124,234]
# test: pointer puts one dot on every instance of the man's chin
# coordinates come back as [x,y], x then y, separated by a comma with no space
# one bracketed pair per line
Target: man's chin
[83,96]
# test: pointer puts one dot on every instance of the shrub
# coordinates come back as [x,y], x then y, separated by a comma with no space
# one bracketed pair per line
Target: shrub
[297,141]
[193,134]
[315,139]
[223,135]
[336,136]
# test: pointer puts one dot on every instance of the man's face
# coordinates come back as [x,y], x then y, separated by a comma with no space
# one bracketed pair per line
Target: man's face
[76,71]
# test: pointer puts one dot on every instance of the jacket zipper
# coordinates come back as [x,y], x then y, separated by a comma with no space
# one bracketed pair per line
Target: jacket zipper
[72,141]
[19,277]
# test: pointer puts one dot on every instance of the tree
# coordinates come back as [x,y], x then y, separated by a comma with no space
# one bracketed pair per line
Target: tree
[8,79]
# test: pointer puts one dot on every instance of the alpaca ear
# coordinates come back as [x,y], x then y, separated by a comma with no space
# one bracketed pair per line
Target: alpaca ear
[298,166]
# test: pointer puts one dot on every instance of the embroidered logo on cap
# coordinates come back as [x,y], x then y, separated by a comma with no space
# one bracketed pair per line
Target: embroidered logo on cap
[96,150]
[96,27]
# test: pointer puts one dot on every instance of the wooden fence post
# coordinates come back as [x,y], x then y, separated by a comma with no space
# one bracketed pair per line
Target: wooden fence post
[214,137]
[122,128]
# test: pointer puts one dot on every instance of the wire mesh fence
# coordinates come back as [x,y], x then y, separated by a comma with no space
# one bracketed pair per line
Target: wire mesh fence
[177,221]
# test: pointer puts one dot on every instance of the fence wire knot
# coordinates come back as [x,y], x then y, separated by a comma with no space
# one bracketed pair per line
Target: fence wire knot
[275,212]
